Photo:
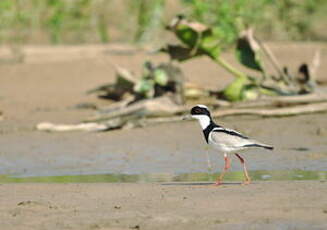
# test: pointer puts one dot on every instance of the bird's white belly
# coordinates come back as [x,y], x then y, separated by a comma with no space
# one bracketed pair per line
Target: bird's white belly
[221,147]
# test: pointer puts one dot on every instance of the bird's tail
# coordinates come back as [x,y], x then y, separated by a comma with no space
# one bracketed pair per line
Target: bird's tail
[261,146]
[266,146]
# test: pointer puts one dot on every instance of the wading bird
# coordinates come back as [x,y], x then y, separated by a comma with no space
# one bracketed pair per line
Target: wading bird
[226,141]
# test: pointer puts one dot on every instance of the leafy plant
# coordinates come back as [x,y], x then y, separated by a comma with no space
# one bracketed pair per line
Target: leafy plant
[198,39]
[78,21]
[155,81]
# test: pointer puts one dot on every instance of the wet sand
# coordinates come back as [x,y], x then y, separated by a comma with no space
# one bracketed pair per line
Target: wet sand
[168,148]
[262,205]
[48,86]
[53,80]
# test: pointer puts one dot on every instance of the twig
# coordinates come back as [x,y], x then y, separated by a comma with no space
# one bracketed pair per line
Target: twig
[50,127]
[167,111]
[275,112]
[273,60]
[286,100]
[161,106]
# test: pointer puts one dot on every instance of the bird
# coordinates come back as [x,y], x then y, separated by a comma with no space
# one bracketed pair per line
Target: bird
[226,141]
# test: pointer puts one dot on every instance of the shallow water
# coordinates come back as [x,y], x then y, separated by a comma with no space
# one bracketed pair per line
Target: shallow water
[260,175]
[175,148]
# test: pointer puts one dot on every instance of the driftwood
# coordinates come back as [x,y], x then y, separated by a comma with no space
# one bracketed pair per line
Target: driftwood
[282,101]
[276,112]
[161,106]
[277,101]
[50,127]
[163,110]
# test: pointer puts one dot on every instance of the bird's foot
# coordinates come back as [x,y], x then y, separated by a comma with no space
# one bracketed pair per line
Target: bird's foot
[247,182]
[217,183]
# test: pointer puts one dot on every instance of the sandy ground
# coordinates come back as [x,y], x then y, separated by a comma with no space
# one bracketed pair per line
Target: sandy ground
[51,81]
[264,205]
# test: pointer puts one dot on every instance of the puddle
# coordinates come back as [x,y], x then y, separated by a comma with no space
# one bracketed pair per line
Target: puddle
[260,175]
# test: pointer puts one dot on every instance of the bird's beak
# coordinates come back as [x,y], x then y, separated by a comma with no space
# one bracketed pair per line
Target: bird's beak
[187,117]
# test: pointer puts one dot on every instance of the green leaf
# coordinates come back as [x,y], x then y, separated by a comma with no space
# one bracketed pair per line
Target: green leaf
[160,77]
[145,87]
[125,80]
[233,92]
[249,92]
[198,39]
[187,35]
[247,55]
[180,53]
[209,45]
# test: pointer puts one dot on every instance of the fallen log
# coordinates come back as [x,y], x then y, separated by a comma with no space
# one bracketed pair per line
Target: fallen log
[131,122]
[161,106]
[50,127]
[275,112]
[282,101]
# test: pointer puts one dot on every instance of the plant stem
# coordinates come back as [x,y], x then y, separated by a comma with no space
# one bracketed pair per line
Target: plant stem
[230,68]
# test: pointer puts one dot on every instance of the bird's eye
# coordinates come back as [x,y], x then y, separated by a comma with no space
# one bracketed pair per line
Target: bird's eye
[197,110]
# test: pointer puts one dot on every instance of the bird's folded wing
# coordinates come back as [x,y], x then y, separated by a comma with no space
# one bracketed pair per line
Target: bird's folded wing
[229,137]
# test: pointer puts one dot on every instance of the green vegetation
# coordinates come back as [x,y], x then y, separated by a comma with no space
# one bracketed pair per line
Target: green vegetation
[114,178]
[287,19]
[95,21]
[198,39]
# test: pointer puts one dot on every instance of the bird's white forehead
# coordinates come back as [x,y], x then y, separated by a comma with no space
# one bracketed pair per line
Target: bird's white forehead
[202,106]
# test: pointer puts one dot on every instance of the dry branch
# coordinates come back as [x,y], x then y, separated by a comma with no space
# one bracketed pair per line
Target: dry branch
[165,108]
[283,101]
[50,127]
[129,122]
[161,106]
[276,112]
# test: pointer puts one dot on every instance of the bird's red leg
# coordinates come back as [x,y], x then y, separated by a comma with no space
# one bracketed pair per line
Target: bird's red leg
[226,167]
[246,175]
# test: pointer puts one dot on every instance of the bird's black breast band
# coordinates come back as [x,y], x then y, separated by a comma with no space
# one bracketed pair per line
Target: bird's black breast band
[207,130]
[212,125]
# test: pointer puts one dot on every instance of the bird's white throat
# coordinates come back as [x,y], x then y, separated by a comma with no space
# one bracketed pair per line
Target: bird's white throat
[204,120]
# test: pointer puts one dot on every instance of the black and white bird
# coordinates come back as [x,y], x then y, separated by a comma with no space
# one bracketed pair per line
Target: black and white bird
[226,141]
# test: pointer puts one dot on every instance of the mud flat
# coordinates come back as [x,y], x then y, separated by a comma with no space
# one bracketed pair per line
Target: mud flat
[262,205]
[47,90]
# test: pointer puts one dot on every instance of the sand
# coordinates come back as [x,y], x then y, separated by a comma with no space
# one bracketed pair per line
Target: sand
[52,80]
[262,205]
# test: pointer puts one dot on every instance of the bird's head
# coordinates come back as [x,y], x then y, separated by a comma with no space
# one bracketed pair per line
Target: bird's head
[200,111]
[202,114]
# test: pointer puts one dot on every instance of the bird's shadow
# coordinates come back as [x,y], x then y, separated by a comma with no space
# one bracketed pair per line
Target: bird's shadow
[200,183]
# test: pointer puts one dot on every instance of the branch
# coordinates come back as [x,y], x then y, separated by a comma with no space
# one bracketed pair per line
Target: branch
[230,68]
[282,100]
[276,112]
[273,60]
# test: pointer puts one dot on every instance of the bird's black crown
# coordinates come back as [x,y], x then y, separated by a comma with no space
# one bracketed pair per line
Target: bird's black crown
[200,110]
